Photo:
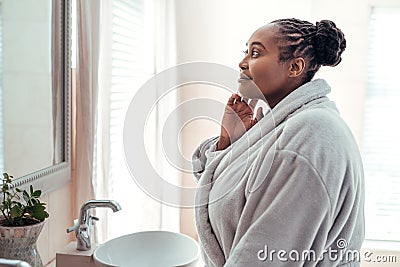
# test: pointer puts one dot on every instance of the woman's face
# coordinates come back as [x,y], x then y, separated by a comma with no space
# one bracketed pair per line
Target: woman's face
[260,68]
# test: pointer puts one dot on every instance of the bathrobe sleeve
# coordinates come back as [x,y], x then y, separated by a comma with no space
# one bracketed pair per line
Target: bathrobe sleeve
[200,156]
[289,210]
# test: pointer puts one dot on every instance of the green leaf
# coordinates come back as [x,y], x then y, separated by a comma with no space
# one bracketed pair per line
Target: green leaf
[40,215]
[20,206]
[16,203]
[16,211]
[26,196]
[38,212]
[36,194]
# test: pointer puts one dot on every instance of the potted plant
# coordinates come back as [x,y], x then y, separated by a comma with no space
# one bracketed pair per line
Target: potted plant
[21,221]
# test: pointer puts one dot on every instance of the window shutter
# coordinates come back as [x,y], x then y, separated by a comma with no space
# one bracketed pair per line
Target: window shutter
[132,63]
[381,133]
[129,56]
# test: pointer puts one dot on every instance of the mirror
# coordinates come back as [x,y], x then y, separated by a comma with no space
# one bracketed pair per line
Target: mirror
[35,91]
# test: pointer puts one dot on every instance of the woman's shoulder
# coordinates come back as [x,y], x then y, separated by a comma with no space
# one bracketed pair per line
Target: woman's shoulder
[321,136]
[317,119]
[319,127]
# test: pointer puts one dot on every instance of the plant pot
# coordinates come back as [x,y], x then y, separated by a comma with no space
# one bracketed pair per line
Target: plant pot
[19,243]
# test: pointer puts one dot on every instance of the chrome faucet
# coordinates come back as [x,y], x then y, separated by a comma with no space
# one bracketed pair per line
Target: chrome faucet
[83,226]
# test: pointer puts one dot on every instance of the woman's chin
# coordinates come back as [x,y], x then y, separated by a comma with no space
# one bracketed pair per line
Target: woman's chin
[250,90]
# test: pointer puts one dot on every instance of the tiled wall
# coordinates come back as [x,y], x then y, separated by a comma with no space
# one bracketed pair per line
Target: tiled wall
[27,119]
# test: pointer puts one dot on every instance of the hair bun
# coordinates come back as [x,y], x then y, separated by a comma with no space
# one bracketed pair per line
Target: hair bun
[329,43]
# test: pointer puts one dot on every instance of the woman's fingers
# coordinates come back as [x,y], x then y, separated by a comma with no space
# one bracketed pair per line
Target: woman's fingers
[234,99]
[231,100]
[243,107]
[253,103]
[259,114]
[238,98]
[253,122]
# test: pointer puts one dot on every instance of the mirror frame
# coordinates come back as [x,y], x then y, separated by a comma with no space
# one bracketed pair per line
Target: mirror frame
[55,176]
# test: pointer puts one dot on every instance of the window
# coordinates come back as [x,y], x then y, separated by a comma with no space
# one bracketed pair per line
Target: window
[121,44]
[381,143]
[132,63]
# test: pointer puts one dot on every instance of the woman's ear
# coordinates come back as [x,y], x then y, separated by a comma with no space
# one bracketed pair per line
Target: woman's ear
[296,67]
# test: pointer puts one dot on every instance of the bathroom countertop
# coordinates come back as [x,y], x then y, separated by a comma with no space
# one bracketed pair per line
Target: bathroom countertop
[51,264]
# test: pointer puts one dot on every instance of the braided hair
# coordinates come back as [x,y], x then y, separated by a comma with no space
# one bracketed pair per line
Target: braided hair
[319,45]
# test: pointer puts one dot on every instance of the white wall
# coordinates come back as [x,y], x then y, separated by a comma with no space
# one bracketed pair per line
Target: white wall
[54,237]
[217,31]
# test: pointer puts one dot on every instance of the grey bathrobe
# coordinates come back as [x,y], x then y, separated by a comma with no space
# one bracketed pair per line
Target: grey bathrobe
[294,182]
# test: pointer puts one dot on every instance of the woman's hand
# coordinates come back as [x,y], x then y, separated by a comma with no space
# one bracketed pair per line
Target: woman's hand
[237,119]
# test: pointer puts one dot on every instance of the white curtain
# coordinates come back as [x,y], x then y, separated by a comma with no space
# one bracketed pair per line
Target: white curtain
[92,135]
[86,98]
[165,57]
[101,173]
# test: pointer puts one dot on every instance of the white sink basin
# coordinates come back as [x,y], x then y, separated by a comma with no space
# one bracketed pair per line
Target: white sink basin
[152,248]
